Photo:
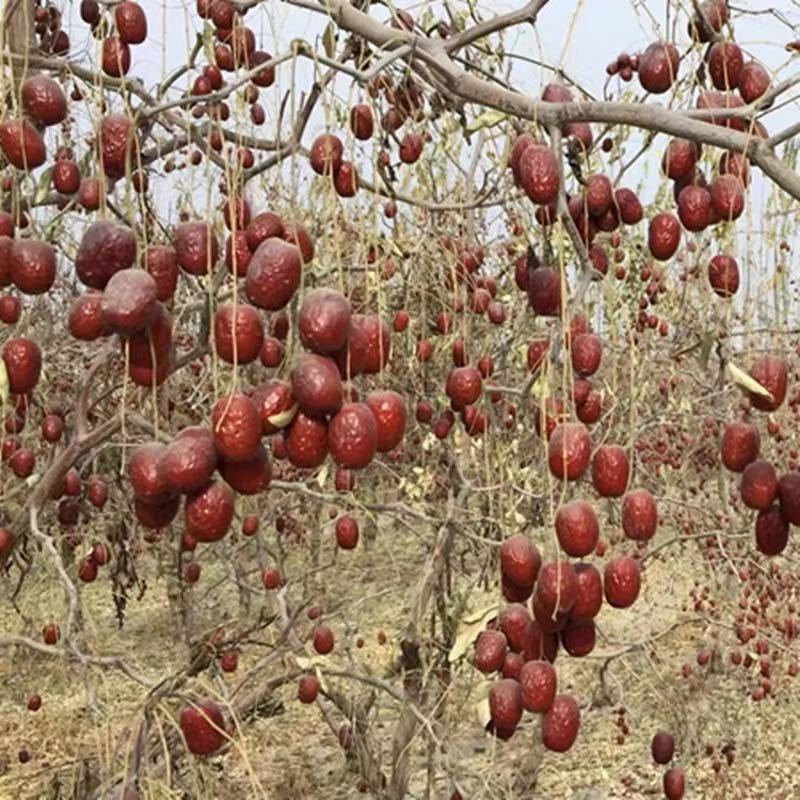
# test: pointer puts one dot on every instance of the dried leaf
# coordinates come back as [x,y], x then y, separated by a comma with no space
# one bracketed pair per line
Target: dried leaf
[468,630]
[746,382]
[329,39]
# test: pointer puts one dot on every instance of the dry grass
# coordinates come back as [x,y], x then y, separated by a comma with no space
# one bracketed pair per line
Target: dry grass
[295,755]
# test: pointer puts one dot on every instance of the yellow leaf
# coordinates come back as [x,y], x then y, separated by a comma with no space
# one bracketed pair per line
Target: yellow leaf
[487,119]
[3,382]
[481,706]
[746,382]
[322,476]
[468,630]
[283,418]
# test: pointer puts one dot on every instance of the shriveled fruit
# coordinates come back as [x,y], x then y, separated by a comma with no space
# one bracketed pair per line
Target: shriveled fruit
[196,247]
[248,477]
[323,640]
[274,401]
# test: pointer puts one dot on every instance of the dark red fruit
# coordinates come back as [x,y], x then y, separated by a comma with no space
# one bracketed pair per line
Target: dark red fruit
[306,441]
[658,67]
[22,144]
[740,445]
[622,581]
[196,247]
[519,561]
[105,249]
[537,680]
[353,436]
[23,360]
[324,321]
[588,593]
[389,410]
[662,747]
[770,371]
[664,235]
[568,450]
[316,385]
[759,485]
[273,274]
[560,724]
[723,275]
[639,515]
[610,470]
[208,513]
[43,100]
[772,531]
[203,727]
[539,174]
[505,704]
[577,528]
[236,425]
[490,651]
[32,266]
[346,532]
[238,333]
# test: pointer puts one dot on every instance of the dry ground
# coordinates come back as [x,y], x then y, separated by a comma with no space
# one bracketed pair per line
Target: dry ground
[295,755]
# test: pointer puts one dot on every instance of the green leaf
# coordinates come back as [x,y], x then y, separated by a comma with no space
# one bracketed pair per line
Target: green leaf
[705,349]
[746,382]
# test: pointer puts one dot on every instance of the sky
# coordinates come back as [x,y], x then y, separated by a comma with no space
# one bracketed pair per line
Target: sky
[581,36]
